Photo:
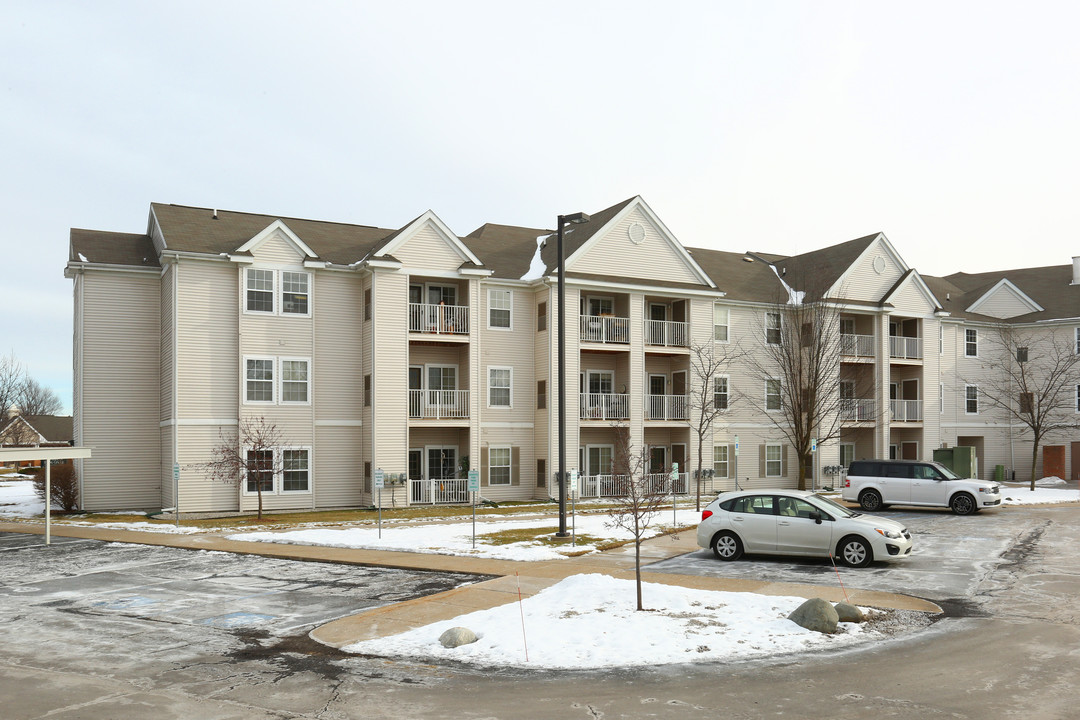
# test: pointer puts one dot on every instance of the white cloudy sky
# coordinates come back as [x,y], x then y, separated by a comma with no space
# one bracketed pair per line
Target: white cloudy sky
[776,126]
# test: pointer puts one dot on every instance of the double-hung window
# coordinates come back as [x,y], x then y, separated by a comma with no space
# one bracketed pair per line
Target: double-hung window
[774,466]
[499,466]
[721,319]
[260,471]
[720,461]
[720,392]
[272,381]
[499,384]
[278,470]
[773,328]
[259,288]
[500,303]
[773,400]
[258,380]
[294,293]
[273,292]
[295,470]
[294,381]
[971,399]
[971,342]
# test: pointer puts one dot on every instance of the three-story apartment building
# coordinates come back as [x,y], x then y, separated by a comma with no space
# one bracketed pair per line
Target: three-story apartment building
[424,354]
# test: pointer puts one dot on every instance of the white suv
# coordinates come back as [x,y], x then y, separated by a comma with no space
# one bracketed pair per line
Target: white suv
[876,484]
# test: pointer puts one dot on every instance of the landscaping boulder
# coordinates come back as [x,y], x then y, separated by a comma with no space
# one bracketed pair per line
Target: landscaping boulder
[817,615]
[849,613]
[457,636]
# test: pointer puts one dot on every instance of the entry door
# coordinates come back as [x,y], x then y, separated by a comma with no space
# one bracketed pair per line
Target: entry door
[416,472]
[442,463]
[678,455]
[909,451]
[1053,461]
[679,407]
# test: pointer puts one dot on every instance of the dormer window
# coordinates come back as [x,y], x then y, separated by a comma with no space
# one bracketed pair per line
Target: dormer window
[277,292]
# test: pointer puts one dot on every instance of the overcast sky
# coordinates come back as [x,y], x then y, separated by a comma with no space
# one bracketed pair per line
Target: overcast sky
[783,127]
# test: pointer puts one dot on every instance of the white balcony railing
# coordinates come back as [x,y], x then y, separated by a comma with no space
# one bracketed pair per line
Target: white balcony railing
[439,319]
[906,410]
[667,407]
[856,410]
[597,486]
[667,333]
[857,345]
[438,491]
[604,406]
[905,348]
[439,404]
[605,329]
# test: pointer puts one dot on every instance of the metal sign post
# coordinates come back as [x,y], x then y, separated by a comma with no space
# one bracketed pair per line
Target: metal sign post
[474,488]
[573,506]
[176,491]
[380,480]
[736,462]
[813,464]
[674,479]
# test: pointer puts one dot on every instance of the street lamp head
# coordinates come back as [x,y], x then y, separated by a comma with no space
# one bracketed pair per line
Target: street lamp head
[575,218]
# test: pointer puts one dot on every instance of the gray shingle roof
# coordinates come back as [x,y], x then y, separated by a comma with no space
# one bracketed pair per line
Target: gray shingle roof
[1051,287]
[112,248]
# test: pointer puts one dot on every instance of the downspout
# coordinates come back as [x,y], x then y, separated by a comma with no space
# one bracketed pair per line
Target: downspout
[311,389]
[371,400]
[176,376]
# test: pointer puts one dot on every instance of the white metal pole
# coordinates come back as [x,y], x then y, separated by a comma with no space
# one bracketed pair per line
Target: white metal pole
[48,502]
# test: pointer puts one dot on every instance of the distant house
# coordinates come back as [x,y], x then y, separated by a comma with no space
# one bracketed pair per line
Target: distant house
[36,431]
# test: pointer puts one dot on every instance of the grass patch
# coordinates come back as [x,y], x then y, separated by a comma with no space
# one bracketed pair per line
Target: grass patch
[544,536]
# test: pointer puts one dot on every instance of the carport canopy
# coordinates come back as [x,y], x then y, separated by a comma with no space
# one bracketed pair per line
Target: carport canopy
[27,454]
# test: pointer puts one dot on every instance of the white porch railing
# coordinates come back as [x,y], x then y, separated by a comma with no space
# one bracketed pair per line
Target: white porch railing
[857,345]
[604,406]
[598,486]
[439,404]
[905,348]
[854,410]
[666,407]
[439,319]
[434,491]
[667,333]
[906,410]
[605,329]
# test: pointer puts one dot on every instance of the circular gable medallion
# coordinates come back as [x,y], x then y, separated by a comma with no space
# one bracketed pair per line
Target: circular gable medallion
[636,232]
[879,264]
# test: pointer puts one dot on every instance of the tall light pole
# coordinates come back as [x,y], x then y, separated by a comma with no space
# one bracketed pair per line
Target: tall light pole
[576,219]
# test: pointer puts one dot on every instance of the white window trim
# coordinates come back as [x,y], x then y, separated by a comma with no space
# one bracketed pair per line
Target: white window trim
[726,461]
[490,307]
[941,398]
[273,292]
[779,460]
[1076,340]
[1078,398]
[281,381]
[277,290]
[244,481]
[273,380]
[509,465]
[779,395]
[281,482]
[976,331]
[765,329]
[840,457]
[510,387]
[966,411]
[727,404]
[590,298]
[726,325]
[279,299]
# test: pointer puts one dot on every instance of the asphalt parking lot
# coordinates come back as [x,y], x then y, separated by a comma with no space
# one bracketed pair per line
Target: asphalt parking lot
[950,557]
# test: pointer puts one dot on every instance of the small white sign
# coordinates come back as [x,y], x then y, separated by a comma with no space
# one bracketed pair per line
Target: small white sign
[380,479]
[572,485]
[474,481]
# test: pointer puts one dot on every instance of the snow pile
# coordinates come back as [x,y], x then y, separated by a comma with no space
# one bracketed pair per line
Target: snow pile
[589,621]
[537,266]
[141,526]
[18,499]
[456,538]
[1022,494]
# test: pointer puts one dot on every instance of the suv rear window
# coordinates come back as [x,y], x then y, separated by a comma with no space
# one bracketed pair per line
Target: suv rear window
[863,467]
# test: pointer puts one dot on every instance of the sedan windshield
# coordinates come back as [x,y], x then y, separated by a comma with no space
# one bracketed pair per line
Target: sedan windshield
[835,508]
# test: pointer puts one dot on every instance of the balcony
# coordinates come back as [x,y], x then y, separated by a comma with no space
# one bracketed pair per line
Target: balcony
[604,406]
[667,333]
[906,410]
[856,410]
[439,319]
[905,348]
[667,407]
[605,329]
[857,345]
[438,404]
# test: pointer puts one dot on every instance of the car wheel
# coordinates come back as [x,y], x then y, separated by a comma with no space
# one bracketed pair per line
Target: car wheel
[855,552]
[727,546]
[962,504]
[870,500]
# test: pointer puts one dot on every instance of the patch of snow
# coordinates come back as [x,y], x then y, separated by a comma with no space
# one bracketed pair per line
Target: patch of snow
[536,267]
[1022,494]
[82,258]
[18,498]
[590,621]
[794,297]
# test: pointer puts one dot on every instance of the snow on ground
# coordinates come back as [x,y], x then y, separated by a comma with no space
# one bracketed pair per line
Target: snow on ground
[1022,494]
[17,497]
[590,621]
[456,538]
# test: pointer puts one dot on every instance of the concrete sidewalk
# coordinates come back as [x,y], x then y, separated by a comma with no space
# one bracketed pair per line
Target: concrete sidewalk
[508,577]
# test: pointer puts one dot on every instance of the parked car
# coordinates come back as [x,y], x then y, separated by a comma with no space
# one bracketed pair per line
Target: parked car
[797,522]
[876,484]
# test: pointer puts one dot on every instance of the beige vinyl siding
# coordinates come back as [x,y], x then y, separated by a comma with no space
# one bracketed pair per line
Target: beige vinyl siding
[207,344]
[653,259]
[1004,303]
[912,301]
[276,250]
[167,460]
[390,375]
[542,370]
[523,464]
[501,348]
[864,282]
[198,493]
[366,362]
[429,250]
[168,337]
[121,390]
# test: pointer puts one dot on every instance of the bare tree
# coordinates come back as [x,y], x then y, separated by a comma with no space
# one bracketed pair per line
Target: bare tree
[799,368]
[12,374]
[249,456]
[1031,378]
[18,432]
[33,398]
[710,394]
[638,499]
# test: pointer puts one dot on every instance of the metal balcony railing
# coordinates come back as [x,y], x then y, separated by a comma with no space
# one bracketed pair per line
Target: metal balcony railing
[605,329]
[906,410]
[667,407]
[667,333]
[599,486]
[905,348]
[439,319]
[857,345]
[856,410]
[604,406]
[439,404]
[438,491]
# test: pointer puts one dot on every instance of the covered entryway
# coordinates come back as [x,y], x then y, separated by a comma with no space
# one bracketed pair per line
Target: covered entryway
[47,455]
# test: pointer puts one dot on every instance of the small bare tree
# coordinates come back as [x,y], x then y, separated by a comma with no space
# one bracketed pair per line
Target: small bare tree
[638,499]
[710,394]
[63,486]
[248,456]
[1031,379]
[799,367]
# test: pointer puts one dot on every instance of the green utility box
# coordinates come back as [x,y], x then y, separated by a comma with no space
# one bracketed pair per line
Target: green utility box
[961,460]
[999,473]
